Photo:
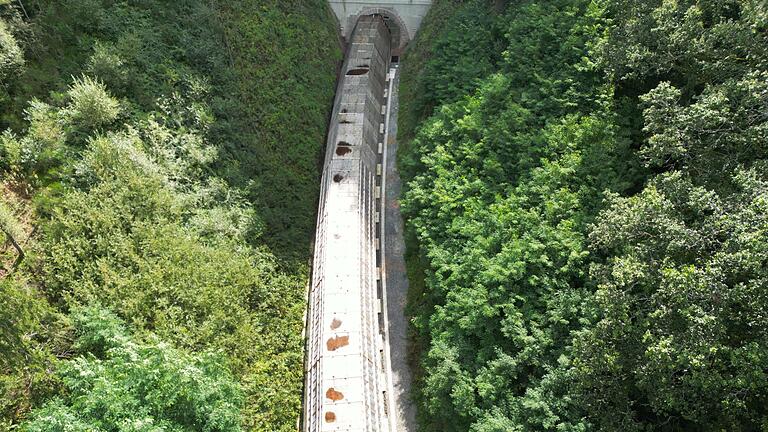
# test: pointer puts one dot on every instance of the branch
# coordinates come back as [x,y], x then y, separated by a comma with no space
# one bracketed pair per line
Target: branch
[17,246]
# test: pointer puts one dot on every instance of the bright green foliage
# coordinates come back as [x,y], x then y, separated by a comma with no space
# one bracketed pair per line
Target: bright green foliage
[564,286]
[11,58]
[170,151]
[91,106]
[116,383]
[499,200]
[145,229]
[124,243]
[266,71]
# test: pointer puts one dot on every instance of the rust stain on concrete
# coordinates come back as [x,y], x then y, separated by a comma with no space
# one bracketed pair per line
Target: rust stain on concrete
[334,395]
[337,342]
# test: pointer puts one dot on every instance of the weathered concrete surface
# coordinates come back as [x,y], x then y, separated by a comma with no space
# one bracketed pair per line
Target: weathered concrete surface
[404,16]
[397,281]
[345,380]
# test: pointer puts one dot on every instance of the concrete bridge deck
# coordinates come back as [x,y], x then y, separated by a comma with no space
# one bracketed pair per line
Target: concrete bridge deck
[346,367]
[352,382]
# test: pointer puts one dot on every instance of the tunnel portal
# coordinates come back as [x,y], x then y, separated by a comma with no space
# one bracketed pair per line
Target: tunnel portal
[402,17]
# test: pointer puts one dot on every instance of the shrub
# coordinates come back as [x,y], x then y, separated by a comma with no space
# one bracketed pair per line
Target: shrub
[90,104]
[108,66]
[11,57]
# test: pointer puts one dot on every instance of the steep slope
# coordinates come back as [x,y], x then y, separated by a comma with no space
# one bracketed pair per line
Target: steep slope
[166,155]
[578,175]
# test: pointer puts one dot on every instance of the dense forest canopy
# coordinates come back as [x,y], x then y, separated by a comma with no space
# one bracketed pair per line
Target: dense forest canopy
[158,175]
[586,215]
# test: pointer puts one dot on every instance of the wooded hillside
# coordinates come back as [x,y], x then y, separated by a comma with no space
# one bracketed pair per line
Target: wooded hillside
[586,211]
[160,166]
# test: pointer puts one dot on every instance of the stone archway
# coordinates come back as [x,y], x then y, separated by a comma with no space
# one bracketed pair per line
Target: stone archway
[397,28]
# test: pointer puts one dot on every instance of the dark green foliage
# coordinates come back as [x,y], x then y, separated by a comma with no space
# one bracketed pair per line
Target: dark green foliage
[680,344]
[682,339]
[689,43]
[284,61]
[455,48]
[564,286]
[30,335]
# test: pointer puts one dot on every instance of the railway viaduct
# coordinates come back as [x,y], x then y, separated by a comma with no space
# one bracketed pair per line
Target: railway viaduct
[350,384]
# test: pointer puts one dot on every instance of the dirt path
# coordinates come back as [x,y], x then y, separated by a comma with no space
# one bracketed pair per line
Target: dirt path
[397,281]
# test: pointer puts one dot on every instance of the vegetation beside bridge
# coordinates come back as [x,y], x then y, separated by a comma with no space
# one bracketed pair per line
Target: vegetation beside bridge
[585,207]
[160,168]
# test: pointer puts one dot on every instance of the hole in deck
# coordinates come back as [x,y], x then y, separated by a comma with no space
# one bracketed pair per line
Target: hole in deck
[337,178]
[343,148]
[395,59]
[357,71]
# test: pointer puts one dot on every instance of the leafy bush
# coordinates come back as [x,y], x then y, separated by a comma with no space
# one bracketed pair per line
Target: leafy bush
[107,65]
[268,72]
[90,105]
[160,178]
[165,185]
[11,57]
[140,386]
[136,234]
[30,338]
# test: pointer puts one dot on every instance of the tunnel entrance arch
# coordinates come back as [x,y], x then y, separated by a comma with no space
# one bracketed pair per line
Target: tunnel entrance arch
[396,26]
[403,17]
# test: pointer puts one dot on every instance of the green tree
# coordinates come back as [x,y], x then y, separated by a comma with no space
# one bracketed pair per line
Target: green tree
[681,342]
[118,383]
[546,306]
